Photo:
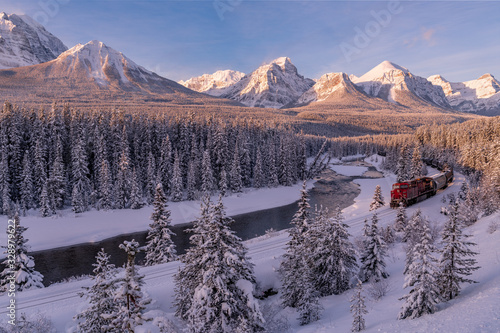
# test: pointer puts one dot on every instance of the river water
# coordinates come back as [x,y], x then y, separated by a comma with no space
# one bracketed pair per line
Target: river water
[330,190]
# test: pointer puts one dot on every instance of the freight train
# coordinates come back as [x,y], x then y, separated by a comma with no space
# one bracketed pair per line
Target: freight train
[416,190]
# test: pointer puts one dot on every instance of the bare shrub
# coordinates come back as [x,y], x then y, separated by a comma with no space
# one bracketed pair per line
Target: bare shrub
[275,323]
[37,323]
[493,226]
[377,290]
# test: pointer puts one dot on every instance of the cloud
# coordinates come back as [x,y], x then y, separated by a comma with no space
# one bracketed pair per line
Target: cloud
[426,36]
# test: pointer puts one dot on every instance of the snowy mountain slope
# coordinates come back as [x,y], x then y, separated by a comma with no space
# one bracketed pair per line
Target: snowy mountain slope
[213,84]
[25,42]
[328,84]
[475,310]
[396,84]
[481,95]
[271,86]
[94,73]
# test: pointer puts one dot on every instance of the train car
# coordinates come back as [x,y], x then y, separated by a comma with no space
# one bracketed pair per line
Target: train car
[412,191]
[440,180]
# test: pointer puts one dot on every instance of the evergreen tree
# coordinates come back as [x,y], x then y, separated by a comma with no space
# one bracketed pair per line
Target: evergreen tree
[191,181]
[421,278]
[413,235]
[176,184]
[307,295]
[160,247]
[457,259]
[358,309]
[81,185]
[402,169]
[151,180]
[106,200]
[293,267]
[235,175]
[46,208]
[27,184]
[258,175]
[222,297]
[401,219]
[21,269]
[223,183]
[165,164]
[100,296]
[57,179]
[123,181]
[333,259]
[416,166]
[129,298]
[135,192]
[373,256]
[378,199]
[189,276]
[207,177]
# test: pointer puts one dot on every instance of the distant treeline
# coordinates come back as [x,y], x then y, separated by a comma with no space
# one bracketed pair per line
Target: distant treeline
[52,159]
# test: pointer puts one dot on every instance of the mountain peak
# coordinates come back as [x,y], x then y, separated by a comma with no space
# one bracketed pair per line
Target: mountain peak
[487,76]
[379,71]
[282,61]
[25,42]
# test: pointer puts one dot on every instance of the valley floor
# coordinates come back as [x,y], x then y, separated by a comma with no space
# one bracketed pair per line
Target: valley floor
[475,310]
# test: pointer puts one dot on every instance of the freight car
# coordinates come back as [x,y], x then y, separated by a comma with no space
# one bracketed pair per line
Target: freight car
[416,190]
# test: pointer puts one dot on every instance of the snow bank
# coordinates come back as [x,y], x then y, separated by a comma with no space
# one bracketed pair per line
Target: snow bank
[68,228]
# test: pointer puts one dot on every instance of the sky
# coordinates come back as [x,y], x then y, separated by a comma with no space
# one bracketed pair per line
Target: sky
[180,39]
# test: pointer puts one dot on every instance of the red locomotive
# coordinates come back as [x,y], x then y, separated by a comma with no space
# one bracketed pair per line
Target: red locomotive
[416,190]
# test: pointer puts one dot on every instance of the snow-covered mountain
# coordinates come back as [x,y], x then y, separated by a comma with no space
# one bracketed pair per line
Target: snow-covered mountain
[92,73]
[24,42]
[271,86]
[329,85]
[481,95]
[213,84]
[397,84]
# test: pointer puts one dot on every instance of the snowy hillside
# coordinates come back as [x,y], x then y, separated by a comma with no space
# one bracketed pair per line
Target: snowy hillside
[480,95]
[213,84]
[25,42]
[474,310]
[390,81]
[272,85]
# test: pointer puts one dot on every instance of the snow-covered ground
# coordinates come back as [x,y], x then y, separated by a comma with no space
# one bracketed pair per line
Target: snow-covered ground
[476,309]
[67,228]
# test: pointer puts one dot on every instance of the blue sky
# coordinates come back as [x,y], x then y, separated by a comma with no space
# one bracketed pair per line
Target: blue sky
[180,39]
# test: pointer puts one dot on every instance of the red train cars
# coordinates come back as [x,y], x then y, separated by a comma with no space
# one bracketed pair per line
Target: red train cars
[415,190]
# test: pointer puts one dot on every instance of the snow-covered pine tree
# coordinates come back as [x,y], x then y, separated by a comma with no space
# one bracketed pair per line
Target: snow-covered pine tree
[402,168]
[165,164]
[106,191]
[373,256]
[27,184]
[207,175]
[191,180]
[151,180]
[100,296]
[223,298]
[81,184]
[129,298]
[401,218]
[293,266]
[23,271]
[258,175]
[413,235]
[46,208]
[333,258]
[358,309]
[273,180]
[307,295]
[416,166]
[57,178]
[189,275]
[123,181]
[176,182]
[223,187]
[422,279]
[160,248]
[457,259]
[378,199]
[235,173]
[136,201]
